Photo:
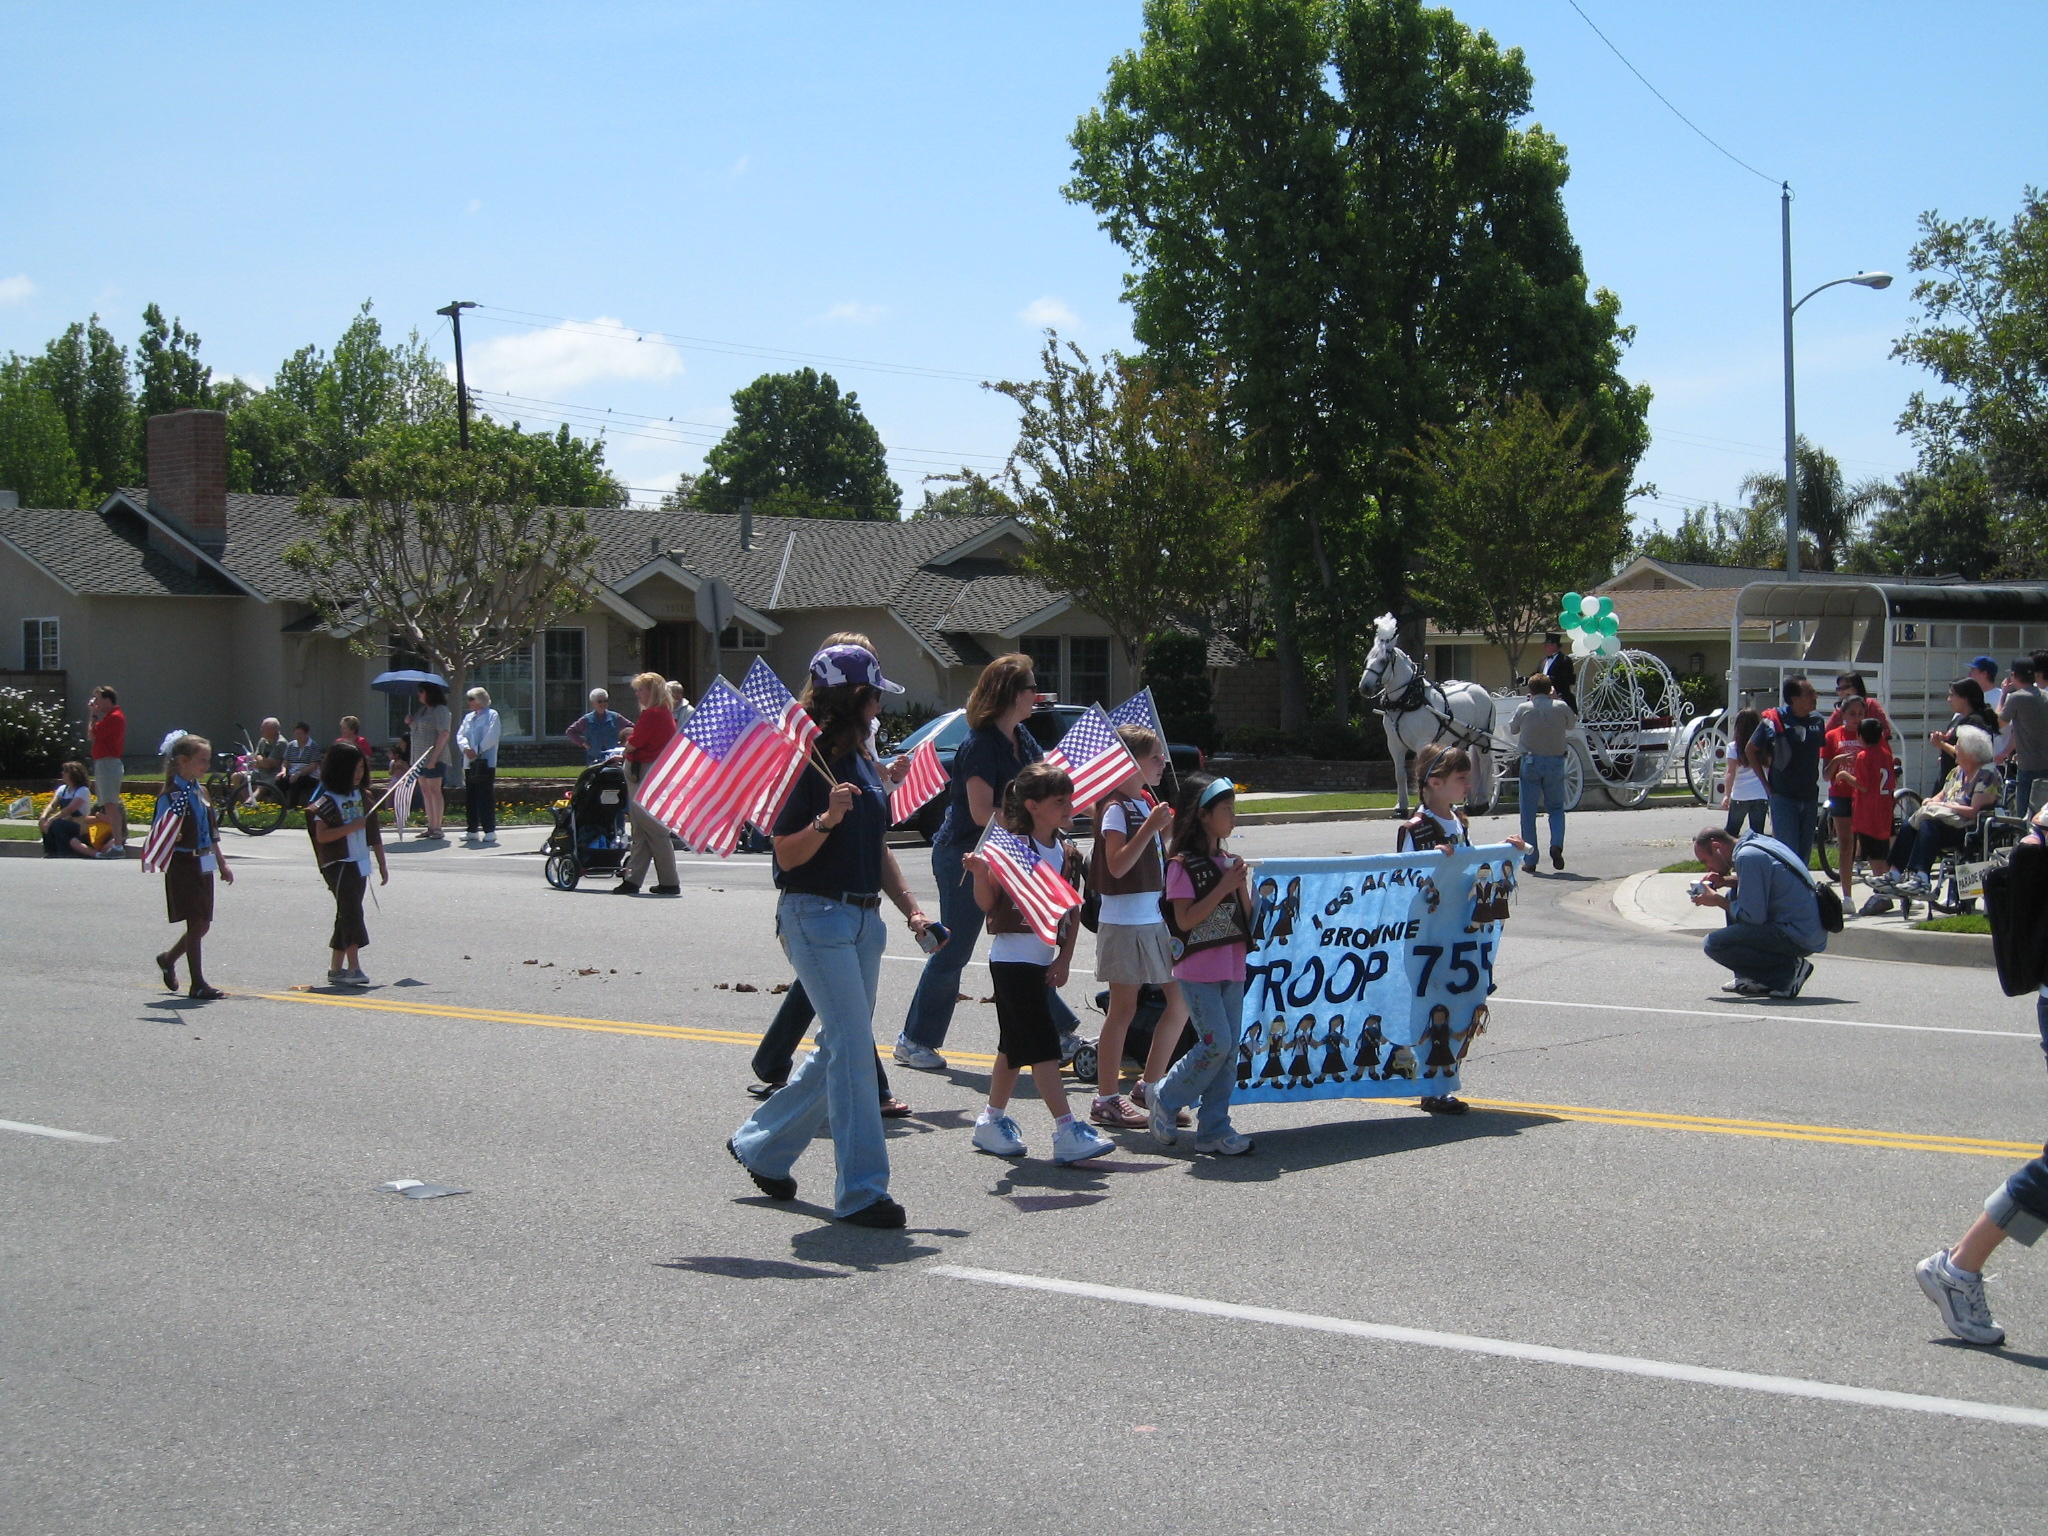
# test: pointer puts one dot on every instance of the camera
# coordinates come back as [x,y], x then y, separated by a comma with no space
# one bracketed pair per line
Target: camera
[1697,888]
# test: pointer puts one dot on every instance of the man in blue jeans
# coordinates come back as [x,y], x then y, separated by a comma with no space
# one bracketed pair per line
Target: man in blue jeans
[1785,751]
[1773,917]
[1540,724]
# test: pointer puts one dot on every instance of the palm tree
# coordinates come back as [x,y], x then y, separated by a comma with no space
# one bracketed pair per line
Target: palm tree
[1829,507]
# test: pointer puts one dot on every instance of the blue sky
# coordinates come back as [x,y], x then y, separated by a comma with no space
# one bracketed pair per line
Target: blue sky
[780,182]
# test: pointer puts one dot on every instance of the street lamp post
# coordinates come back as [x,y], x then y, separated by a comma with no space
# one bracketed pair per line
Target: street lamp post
[454,313]
[1862,280]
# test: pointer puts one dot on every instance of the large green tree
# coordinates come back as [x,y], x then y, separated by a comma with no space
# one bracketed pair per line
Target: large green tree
[1133,494]
[1334,200]
[799,448]
[1830,508]
[85,372]
[36,461]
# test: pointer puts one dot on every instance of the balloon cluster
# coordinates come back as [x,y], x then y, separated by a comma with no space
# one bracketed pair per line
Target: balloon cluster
[1594,629]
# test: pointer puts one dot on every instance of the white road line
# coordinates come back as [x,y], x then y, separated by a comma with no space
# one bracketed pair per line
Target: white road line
[1779,1018]
[1626,1365]
[52,1131]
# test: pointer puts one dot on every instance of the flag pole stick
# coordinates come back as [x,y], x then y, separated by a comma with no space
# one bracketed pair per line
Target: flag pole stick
[411,773]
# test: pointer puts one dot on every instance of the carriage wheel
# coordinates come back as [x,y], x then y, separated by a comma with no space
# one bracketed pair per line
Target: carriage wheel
[561,871]
[1574,778]
[1703,763]
[1824,844]
[1630,793]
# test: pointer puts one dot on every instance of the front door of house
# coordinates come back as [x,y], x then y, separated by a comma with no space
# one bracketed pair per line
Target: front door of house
[671,650]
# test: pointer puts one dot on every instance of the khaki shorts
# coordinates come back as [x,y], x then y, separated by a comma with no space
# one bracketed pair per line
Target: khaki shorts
[1133,954]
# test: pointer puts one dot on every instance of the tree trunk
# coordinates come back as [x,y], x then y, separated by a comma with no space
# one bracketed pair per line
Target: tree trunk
[1293,677]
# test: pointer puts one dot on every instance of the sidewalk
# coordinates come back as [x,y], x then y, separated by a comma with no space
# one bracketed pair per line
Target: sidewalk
[1659,903]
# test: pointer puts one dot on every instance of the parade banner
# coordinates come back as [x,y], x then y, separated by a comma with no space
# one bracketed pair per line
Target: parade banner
[1368,977]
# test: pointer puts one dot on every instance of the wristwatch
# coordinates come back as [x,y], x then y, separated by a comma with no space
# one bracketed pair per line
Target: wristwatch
[818,825]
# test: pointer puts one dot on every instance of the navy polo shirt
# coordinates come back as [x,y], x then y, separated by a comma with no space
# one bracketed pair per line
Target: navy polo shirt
[850,862]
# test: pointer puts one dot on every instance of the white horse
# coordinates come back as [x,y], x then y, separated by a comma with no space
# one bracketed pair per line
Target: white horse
[1416,711]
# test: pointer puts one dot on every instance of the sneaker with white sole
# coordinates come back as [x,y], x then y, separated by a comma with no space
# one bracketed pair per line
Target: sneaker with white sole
[1229,1144]
[1118,1113]
[1141,1095]
[1742,986]
[1877,906]
[919,1058]
[356,978]
[1161,1122]
[1802,972]
[998,1135]
[1960,1299]
[1075,1142]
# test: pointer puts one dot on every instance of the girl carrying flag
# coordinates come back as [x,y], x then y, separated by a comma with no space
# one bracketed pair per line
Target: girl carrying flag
[345,836]
[188,850]
[1025,970]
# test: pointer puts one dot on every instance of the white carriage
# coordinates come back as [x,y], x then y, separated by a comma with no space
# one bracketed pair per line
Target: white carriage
[1635,727]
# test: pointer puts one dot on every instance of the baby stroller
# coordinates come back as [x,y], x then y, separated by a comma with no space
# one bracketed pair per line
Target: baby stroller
[1137,1040]
[590,835]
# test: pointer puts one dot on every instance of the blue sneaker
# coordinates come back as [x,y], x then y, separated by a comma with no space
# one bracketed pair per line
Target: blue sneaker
[999,1136]
[1076,1142]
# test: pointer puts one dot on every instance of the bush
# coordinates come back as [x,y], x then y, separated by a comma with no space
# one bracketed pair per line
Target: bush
[1337,740]
[1261,741]
[33,736]
[1702,692]
[1177,672]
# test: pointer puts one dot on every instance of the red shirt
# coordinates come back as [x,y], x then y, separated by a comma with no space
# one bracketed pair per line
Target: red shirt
[1842,742]
[655,729]
[110,734]
[1874,781]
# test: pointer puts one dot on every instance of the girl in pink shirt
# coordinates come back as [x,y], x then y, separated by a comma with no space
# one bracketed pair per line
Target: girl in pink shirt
[1207,893]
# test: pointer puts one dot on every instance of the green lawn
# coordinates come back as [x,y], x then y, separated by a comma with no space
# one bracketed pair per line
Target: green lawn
[1362,801]
[1963,922]
[20,832]
[1694,866]
[564,771]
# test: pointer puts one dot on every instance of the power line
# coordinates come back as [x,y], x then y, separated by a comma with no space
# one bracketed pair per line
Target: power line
[1695,127]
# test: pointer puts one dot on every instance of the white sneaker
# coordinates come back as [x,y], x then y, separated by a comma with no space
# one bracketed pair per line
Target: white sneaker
[1229,1144]
[489,840]
[1802,972]
[1160,1120]
[1960,1298]
[1076,1141]
[1736,984]
[356,978]
[1742,986]
[999,1136]
[919,1058]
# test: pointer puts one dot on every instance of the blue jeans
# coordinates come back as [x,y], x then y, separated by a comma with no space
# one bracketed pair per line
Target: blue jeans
[2023,790]
[1794,823]
[1754,950]
[1208,1073]
[938,985]
[837,951]
[1542,778]
[2020,1204]
[777,1050]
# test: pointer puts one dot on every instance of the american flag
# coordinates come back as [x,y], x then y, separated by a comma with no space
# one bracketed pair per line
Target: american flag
[765,691]
[171,811]
[927,776]
[1139,709]
[718,767]
[1093,757]
[400,794]
[1033,883]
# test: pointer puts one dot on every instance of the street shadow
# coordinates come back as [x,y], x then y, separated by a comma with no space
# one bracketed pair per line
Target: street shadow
[1028,1203]
[417,845]
[862,1248]
[1804,999]
[736,1268]
[1992,1352]
[1293,1149]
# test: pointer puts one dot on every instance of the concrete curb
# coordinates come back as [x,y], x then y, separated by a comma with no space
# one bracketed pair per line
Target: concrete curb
[1283,818]
[18,848]
[1859,939]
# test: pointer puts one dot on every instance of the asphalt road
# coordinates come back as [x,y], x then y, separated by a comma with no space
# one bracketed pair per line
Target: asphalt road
[213,1323]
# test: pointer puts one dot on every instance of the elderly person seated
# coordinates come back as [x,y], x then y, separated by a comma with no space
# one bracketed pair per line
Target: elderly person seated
[599,731]
[302,756]
[266,761]
[1773,914]
[64,819]
[1971,789]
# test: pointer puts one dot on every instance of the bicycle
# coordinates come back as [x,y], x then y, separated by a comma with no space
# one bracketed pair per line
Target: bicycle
[255,812]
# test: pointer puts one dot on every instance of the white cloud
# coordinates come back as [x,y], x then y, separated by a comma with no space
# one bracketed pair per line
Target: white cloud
[852,313]
[14,289]
[739,166]
[1048,311]
[545,362]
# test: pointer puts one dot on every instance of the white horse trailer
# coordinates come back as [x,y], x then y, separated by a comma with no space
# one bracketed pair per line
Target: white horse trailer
[1908,639]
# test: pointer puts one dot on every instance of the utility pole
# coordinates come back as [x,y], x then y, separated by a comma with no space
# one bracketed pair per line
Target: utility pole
[1791,429]
[454,314]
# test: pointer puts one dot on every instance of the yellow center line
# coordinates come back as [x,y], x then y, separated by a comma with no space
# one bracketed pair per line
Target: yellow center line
[1639,1119]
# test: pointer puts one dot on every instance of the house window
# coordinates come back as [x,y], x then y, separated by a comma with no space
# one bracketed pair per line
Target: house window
[562,674]
[39,646]
[1453,661]
[509,680]
[1044,651]
[742,637]
[1087,669]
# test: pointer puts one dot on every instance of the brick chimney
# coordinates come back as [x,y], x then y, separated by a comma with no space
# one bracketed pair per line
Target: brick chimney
[188,474]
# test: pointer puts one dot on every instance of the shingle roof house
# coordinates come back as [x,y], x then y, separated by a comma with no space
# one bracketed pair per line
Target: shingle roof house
[178,596]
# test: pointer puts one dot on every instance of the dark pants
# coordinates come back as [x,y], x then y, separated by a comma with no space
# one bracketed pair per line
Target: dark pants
[1758,952]
[777,1050]
[2020,1204]
[348,885]
[480,786]
[938,984]
[1915,849]
[1754,811]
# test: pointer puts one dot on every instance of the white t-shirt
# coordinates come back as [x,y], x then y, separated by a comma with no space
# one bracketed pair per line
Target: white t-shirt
[1747,785]
[1026,948]
[1135,909]
[73,800]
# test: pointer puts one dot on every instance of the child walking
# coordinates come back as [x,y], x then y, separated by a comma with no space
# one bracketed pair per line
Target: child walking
[195,857]
[1444,774]
[345,836]
[1209,893]
[1743,794]
[1025,970]
[1132,950]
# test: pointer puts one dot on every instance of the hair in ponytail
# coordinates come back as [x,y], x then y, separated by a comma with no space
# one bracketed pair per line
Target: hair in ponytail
[1034,781]
[182,750]
[1188,835]
[1439,760]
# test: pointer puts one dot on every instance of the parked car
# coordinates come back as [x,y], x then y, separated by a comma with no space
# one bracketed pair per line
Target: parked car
[1048,723]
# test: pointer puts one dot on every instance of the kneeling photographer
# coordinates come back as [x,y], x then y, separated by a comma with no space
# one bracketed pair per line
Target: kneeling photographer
[1775,916]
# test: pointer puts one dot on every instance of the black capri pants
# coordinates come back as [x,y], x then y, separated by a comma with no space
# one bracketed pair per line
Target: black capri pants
[348,884]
